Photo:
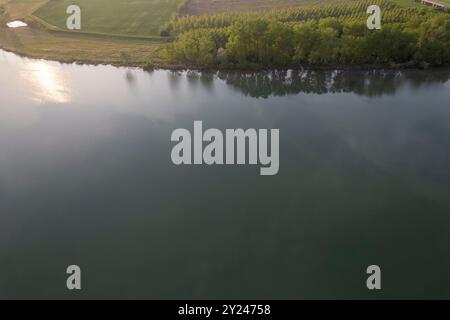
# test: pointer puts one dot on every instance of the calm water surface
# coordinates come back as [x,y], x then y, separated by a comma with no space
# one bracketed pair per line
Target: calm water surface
[86,178]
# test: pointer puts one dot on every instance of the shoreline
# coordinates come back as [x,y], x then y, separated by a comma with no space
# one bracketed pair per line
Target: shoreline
[41,40]
[150,66]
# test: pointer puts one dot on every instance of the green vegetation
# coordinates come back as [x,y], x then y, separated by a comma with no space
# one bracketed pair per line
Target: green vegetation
[116,17]
[2,9]
[345,10]
[207,7]
[407,3]
[329,35]
[38,42]
[81,48]
[318,33]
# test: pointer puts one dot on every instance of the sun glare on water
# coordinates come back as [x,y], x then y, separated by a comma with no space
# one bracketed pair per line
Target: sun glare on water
[47,82]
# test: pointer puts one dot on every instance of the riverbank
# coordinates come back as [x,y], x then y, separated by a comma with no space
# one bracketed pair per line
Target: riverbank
[89,49]
[124,52]
[203,48]
[81,48]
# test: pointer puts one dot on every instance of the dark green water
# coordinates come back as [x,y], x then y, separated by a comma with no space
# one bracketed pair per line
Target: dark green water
[86,178]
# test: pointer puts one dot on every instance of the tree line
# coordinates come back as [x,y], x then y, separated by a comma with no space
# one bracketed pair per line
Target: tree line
[267,42]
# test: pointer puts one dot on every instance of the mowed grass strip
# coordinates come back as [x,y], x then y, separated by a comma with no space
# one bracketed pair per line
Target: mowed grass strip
[115,17]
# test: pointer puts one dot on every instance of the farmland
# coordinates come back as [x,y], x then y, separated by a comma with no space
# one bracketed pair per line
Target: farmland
[39,42]
[144,18]
[203,7]
[117,17]
[207,7]
[344,9]
[139,32]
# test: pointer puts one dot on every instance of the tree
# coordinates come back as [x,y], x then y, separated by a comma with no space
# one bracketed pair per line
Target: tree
[306,38]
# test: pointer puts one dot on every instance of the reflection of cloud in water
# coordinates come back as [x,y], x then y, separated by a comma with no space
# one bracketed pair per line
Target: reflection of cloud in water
[46,82]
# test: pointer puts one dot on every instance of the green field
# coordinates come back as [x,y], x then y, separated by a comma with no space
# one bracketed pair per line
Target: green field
[145,17]
[118,17]
[393,11]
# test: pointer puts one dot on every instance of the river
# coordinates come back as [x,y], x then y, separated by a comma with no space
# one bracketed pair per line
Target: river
[86,178]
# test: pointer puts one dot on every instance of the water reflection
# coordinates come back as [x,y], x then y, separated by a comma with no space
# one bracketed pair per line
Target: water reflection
[130,78]
[47,82]
[361,180]
[364,83]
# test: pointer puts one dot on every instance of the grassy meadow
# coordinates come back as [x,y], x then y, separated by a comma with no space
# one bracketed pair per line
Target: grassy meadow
[46,42]
[116,17]
[81,48]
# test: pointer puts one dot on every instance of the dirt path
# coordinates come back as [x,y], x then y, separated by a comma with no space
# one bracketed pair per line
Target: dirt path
[201,7]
